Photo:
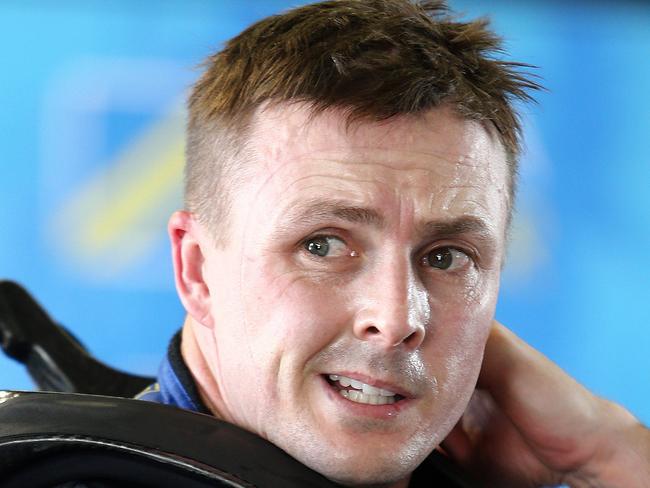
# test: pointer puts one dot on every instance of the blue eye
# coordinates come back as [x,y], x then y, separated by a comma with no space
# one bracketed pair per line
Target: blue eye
[323,246]
[318,246]
[446,258]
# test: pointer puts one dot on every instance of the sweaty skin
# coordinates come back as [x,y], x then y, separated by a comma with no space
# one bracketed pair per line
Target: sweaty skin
[370,252]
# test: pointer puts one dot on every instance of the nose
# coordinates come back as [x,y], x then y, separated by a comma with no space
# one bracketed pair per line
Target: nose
[395,308]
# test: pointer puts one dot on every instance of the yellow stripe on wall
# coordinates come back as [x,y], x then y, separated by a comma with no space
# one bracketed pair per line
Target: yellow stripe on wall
[120,213]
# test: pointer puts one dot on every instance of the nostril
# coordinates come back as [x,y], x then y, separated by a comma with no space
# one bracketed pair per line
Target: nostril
[412,339]
[372,330]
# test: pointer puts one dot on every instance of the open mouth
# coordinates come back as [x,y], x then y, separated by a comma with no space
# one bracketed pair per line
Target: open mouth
[359,392]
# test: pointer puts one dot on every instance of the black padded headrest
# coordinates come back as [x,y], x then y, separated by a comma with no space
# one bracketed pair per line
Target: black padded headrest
[53,438]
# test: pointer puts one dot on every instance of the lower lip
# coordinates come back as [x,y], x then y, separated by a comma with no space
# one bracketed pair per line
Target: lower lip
[387,411]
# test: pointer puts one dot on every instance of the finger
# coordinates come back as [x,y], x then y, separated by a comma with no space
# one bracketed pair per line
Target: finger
[457,444]
[467,434]
[514,372]
[547,406]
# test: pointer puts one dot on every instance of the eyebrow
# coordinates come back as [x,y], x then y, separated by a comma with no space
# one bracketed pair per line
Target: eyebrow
[315,211]
[457,226]
[465,225]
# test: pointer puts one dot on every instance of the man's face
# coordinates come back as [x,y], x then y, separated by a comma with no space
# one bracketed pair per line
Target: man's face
[355,293]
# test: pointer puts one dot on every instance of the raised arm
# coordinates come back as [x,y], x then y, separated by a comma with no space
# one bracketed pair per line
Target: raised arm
[530,424]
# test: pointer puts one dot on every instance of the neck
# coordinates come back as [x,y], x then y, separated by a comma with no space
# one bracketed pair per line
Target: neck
[197,343]
[195,340]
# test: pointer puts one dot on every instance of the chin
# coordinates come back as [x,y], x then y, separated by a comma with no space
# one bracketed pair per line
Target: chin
[377,472]
[363,464]
[363,478]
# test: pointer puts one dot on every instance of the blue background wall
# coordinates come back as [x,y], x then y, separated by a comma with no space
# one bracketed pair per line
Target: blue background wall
[91,114]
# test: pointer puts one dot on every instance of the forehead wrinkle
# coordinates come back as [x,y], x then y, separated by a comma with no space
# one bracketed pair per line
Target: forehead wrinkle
[430,166]
[426,166]
[480,205]
[323,176]
[473,186]
[345,154]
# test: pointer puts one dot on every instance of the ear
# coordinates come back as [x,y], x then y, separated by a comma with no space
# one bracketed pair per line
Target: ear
[188,258]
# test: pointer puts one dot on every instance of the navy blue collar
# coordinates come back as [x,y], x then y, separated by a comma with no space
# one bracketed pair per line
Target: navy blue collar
[175,385]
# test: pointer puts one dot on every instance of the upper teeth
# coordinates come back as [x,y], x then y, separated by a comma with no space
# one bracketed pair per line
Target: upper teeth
[358,385]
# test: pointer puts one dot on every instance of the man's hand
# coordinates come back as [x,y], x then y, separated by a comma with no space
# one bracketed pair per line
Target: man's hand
[530,424]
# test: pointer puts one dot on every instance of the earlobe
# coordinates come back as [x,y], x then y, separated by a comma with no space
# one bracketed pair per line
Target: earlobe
[188,259]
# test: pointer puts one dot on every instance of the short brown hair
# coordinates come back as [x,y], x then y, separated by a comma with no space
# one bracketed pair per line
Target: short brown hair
[374,58]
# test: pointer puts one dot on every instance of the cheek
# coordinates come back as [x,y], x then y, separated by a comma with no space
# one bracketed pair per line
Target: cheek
[467,302]
[290,314]
[459,328]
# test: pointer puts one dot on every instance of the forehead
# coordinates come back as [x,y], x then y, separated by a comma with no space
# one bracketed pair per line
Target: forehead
[437,159]
[284,132]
